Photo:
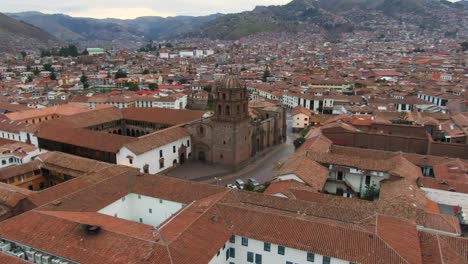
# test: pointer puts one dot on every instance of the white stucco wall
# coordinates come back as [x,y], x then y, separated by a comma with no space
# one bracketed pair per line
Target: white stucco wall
[143,209]
[151,158]
[291,255]
[300,121]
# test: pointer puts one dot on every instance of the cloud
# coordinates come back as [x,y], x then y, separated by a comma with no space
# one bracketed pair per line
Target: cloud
[134,8]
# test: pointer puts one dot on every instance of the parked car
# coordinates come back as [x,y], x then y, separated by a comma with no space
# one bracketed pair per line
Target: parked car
[240,184]
[254,182]
[231,186]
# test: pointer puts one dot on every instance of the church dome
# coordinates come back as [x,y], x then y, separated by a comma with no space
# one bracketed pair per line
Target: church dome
[231,82]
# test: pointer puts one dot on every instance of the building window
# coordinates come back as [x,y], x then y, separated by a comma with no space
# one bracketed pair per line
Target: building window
[150,211]
[139,196]
[267,246]
[173,149]
[188,143]
[130,160]
[258,259]
[281,250]
[160,153]
[339,175]
[141,220]
[368,180]
[232,239]
[161,164]
[326,260]
[250,257]
[310,257]
[245,241]
[232,252]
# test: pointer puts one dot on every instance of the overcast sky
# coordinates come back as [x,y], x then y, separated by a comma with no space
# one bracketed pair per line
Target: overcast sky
[134,8]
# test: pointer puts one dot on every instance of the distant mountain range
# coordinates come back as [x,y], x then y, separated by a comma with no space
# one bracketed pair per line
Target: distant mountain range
[143,28]
[331,15]
[17,35]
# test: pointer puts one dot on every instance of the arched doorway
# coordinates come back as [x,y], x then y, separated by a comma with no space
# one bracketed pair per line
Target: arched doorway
[174,163]
[202,156]
[182,158]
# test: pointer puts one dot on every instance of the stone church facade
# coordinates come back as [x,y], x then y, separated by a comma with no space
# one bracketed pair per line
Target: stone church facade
[237,131]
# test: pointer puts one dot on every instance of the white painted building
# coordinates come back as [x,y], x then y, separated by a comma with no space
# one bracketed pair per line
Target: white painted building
[247,250]
[157,159]
[342,178]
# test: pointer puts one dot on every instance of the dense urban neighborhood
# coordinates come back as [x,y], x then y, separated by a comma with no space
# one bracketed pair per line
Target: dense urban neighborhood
[314,132]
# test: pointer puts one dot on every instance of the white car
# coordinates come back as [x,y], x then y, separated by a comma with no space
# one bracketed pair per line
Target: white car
[231,186]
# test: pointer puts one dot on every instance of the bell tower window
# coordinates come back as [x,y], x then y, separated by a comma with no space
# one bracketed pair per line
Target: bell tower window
[228,110]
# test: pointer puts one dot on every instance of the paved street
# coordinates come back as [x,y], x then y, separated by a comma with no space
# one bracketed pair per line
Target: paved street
[261,169]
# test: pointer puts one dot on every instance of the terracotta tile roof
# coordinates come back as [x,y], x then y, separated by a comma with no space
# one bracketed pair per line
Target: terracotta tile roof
[15,126]
[70,164]
[157,139]
[62,110]
[455,170]
[85,138]
[301,110]
[5,258]
[401,236]
[162,115]
[71,241]
[20,169]
[310,236]
[312,173]
[440,249]
[444,185]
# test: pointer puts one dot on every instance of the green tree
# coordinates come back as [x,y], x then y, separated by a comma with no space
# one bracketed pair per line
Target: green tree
[153,86]
[36,71]
[207,88]
[120,74]
[249,187]
[71,50]
[298,142]
[53,76]
[266,74]
[183,81]
[210,103]
[24,54]
[29,79]
[132,86]
[84,81]
[47,67]
[146,71]
[371,193]
[464,46]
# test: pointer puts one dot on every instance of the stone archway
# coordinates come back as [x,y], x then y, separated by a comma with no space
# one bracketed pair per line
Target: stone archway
[182,154]
[202,156]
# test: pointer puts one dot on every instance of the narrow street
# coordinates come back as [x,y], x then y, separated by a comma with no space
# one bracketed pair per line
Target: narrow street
[263,169]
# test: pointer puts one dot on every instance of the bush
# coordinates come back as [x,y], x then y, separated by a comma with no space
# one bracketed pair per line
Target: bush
[298,142]
[371,192]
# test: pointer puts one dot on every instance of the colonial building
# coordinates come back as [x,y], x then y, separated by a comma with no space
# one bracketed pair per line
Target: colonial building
[237,131]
